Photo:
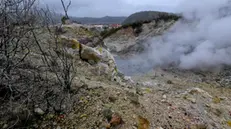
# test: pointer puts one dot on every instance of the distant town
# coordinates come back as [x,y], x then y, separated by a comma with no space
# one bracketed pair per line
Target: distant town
[99,27]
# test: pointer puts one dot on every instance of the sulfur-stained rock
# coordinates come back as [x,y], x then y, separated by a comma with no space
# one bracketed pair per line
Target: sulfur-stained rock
[107,58]
[143,123]
[102,57]
[116,120]
[69,42]
[90,54]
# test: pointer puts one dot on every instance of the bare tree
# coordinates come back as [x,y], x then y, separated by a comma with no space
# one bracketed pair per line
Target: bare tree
[14,33]
[66,7]
[13,13]
[57,53]
[16,18]
[21,83]
[57,59]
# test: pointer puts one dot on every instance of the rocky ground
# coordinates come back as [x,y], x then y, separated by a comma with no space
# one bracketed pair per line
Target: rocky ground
[159,99]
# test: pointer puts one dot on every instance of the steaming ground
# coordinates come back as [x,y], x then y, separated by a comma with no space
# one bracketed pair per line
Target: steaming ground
[131,66]
[201,40]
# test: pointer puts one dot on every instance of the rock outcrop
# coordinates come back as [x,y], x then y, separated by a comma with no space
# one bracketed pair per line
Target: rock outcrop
[99,56]
[126,41]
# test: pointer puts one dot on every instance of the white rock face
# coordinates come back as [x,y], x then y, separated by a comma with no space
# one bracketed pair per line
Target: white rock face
[128,79]
[126,40]
[108,61]
[116,45]
[199,91]
[104,60]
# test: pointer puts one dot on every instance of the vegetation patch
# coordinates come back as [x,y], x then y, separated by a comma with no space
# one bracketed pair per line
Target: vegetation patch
[137,20]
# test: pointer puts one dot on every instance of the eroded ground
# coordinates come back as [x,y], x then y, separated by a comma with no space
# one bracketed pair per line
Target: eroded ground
[169,98]
[161,99]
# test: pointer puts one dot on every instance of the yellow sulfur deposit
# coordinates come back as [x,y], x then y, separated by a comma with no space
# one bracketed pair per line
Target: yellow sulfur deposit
[75,44]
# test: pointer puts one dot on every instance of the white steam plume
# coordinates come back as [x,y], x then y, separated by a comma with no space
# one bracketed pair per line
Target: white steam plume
[201,40]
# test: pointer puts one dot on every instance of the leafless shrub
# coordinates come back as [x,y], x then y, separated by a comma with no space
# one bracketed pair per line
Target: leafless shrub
[14,36]
[32,71]
[16,16]
[57,57]
[66,7]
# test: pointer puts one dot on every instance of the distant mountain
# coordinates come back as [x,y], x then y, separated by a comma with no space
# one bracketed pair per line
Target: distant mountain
[103,20]
[148,16]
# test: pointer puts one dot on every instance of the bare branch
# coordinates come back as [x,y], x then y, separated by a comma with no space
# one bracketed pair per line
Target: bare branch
[65,8]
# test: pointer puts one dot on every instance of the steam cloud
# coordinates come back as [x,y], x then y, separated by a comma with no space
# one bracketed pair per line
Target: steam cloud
[202,40]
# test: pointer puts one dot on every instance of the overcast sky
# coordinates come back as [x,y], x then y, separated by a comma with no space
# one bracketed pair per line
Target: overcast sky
[100,8]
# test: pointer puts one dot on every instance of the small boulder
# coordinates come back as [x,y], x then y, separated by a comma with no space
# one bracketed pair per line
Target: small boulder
[128,79]
[143,123]
[147,83]
[112,99]
[199,91]
[39,111]
[5,126]
[216,110]
[190,98]
[134,98]
[169,82]
[58,127]
[198,126]
[116,120]
[107,113]
[193,100]
[164,96]
[90,54]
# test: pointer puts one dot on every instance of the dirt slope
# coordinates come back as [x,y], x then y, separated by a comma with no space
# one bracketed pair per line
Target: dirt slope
[163,98]
[128,42]
[166,98]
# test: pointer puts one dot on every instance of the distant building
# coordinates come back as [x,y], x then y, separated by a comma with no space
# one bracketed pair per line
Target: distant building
[105,26]
[98,26]
[115,25]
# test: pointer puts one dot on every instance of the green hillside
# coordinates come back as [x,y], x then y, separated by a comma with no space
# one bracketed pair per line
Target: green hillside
[146,16]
